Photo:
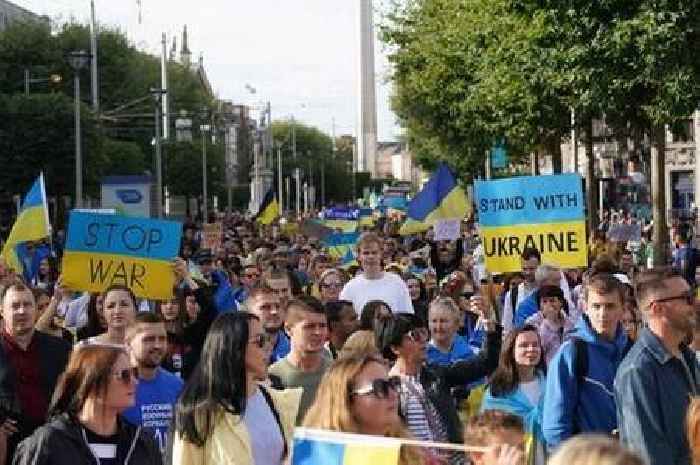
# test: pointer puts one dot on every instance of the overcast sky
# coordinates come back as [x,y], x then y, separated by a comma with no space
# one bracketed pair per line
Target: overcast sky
[301,55]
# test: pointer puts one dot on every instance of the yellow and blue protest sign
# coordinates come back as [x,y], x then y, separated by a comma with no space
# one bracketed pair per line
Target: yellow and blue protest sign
[103,250]
[544,212]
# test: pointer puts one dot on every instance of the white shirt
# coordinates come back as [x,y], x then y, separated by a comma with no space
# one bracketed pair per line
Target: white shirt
[389,288]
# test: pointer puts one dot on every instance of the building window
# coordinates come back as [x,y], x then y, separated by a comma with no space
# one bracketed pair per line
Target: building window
[683,131]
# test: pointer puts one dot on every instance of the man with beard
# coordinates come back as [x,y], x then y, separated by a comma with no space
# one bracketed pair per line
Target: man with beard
[264,303]
[657,379]
[157,390]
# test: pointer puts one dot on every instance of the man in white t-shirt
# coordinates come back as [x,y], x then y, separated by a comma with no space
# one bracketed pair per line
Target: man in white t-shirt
[374,283]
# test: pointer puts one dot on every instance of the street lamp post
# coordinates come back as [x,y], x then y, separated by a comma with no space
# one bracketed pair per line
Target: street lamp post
[78,60]
[157,94]
[204,129]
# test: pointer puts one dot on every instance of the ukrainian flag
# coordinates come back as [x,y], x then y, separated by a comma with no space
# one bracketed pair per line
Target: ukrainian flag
[32,224]
[317,447]
[440,199]
[339,244]
[269,209]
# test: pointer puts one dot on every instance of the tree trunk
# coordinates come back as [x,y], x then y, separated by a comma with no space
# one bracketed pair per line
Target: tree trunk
[591,183]
[555,152]
[660,237]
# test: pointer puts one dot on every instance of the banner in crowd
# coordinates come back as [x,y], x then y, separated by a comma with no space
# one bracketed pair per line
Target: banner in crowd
[317,447]
[338,244]
[625,232]
[102,250]
[212,235]
[336,213]
[544,212]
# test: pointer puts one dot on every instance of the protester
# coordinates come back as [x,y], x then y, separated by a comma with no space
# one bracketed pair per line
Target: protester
[95,323]
[46,318]
[360,343]
[686,259]
[330,284]
[417,292]
[554,320]
[224,415]
[357,396]
[659,375]
[546,275]
[30,364]
[175,318]
[306,362]
[631,320]
[157,389]
[500,432]
[374,283]
[280,283]
[265,304]
[579,395]
[374,312]
[446,256]
[119,309]
[530,260]
[85,425]
[518,385]
[342,322]
[590,449]
[426,402]
[446,346]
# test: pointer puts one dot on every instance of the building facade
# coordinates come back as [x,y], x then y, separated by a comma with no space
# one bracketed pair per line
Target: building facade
[9,13]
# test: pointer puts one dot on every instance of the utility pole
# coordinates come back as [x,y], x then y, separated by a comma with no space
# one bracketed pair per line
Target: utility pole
[164,85]
[205,211]
[93,63]
[488,165]
[158,97]
[279,178]
[658,196]
[78,150]
[296,167]
[26,81]
[574,139]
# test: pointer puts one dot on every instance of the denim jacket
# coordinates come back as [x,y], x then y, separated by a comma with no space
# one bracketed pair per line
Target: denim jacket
[653,390]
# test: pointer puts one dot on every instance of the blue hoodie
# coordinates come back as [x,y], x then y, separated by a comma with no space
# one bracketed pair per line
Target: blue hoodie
[570,408]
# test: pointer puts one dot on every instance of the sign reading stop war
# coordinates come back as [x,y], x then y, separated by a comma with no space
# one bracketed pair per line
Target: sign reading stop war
[102,250]
[544,212]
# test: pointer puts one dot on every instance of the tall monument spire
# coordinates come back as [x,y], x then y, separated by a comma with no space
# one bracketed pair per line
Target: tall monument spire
[367,130]
[185,54]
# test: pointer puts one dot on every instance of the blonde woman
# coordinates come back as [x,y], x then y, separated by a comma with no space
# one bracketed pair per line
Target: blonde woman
[357,395]
[591,449]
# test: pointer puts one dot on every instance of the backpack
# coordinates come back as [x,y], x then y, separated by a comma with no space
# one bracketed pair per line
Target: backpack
[581,357]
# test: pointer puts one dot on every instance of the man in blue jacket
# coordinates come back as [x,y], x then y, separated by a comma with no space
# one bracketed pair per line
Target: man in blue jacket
[660,374]
[579,395]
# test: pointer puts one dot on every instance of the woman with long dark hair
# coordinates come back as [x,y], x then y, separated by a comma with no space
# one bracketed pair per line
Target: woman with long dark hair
[224,415]
[518,384]
[86,426]
[96,323]
[374,312]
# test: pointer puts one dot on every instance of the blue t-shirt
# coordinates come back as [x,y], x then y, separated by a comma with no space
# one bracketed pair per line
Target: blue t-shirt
[155,404]
[461,350]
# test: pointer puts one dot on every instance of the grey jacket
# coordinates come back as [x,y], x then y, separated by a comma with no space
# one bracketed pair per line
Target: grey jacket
[652,392]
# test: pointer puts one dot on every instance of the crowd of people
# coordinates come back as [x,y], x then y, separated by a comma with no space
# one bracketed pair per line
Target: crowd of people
[268,332]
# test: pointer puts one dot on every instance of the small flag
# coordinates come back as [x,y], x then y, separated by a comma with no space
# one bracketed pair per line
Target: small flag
[317,447]
[269,209]
[32,224]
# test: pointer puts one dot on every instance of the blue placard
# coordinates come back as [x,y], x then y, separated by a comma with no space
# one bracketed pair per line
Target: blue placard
[341,213]
[396,202]
[529,200]
[499,157]
[123,235]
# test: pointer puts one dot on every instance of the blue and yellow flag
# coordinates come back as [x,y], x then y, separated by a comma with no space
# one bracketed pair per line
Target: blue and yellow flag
[440,199]
[316,447]
[269,210]
[32,224]
[338,244]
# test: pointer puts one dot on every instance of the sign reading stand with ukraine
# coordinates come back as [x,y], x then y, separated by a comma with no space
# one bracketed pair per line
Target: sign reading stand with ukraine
[544,212]
[103,250]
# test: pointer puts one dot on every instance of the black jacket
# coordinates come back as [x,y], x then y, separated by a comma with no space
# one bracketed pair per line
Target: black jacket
[53,356]
[196,332]
[62,442]
[438,381]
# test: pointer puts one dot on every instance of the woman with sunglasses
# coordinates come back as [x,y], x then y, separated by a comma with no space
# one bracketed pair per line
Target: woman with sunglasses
[357,395]
[224,415]
[330,284]
[426,401]
[85,425]
[518,384]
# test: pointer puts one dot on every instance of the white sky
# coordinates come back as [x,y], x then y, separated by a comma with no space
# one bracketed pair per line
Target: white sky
[301,55]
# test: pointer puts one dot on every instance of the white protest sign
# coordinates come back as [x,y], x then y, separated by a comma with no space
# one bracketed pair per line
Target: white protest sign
[447,230]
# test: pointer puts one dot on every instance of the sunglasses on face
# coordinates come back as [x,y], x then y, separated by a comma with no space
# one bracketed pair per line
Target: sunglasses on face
[379,388]
[333,285]
[126,375]
[688,297]
[419,334]
[261,340]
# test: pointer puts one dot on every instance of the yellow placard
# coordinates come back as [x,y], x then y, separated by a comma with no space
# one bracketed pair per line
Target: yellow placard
[561,244]
[95,272]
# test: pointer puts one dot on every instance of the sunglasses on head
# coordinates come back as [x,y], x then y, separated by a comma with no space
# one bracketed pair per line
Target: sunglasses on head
[379,388]
[126,375]
[261,340]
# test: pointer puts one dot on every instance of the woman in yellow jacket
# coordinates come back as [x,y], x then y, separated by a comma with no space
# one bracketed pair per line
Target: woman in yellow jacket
[224,416]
